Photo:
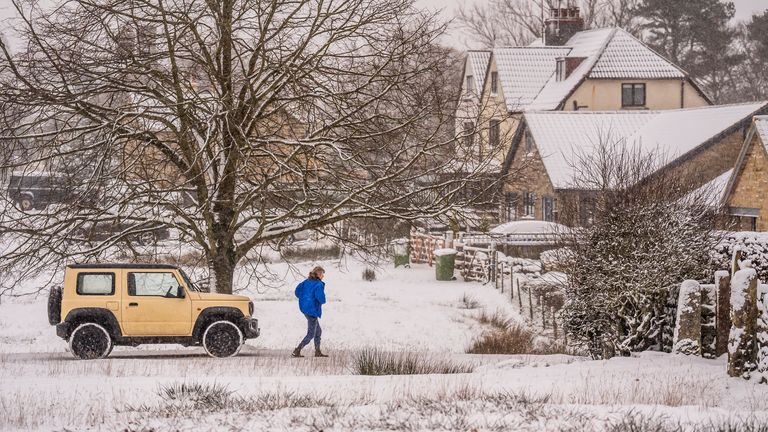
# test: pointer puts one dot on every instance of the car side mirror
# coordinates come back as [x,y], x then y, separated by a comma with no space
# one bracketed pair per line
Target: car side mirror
[180,293]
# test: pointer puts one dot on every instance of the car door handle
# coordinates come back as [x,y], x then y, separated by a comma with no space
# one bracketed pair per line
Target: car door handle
[133,304]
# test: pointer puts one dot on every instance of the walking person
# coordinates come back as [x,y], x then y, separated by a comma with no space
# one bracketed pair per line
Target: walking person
[311,294]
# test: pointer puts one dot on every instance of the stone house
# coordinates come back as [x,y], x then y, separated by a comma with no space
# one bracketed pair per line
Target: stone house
[745,197]
[569,70]
[546,157]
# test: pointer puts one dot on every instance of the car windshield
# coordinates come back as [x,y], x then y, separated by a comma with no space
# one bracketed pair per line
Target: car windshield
[189,283]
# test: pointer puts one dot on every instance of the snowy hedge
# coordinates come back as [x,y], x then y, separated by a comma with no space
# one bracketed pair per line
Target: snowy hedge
[754,245]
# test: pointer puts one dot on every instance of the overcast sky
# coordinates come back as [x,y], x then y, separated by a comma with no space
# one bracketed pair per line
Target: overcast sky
[744,8]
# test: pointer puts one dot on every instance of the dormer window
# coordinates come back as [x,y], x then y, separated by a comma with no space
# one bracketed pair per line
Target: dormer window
[470,84]
[494,82]
[560,69]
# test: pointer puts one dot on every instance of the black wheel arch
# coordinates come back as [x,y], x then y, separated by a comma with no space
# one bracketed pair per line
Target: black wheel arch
[216,313]
[104,317]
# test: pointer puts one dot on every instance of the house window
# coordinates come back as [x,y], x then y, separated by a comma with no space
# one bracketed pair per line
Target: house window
[528,142]
[494,82]
[512,199]
[470,84]
[529,203]
[494,135]
[633,95]
[586,211]
[469,130]
[560,69]
[548,208]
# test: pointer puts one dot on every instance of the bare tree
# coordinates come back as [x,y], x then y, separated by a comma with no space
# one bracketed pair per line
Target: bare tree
[519,22]
[647,233]
[274,117]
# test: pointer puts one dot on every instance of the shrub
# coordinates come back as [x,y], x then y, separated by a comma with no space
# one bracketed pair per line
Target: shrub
[369,274]
[315,253]
[496,319]
[373,361]
[468,302]
[514,339]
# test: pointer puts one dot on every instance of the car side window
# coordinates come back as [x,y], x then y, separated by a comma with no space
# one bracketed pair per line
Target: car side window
[95,283]
[152,284]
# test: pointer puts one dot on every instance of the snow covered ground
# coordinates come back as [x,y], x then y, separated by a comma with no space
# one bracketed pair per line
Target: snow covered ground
[43,388]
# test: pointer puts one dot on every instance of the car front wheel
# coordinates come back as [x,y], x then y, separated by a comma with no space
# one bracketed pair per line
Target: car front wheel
[222,339]
[90,341]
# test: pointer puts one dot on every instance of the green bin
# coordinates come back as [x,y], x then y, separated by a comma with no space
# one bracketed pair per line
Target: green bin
[445,261]
[401,252]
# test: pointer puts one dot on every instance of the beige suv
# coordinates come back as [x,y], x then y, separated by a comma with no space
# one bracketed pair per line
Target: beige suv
[103,305]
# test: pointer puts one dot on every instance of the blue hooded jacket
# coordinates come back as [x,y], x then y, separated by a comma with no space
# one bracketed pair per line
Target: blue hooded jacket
[311,294]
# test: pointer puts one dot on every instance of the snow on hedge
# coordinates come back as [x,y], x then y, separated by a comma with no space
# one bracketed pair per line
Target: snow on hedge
[530,227]
[754,245]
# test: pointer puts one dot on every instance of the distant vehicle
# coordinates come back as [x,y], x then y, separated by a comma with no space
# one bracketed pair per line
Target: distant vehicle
[103,305]
[36,190]
[101,231]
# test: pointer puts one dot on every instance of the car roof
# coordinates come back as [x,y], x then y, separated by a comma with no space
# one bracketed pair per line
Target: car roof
[122,266]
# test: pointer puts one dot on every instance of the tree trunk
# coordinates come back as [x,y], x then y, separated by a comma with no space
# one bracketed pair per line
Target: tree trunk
[222,269]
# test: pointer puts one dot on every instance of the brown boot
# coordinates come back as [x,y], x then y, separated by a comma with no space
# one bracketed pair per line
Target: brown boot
[319,353]
[296,353]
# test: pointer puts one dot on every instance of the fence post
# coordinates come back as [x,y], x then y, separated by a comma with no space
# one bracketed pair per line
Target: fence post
[493,259]
[554,321]
[723,311]
[543,312]
[511,283]
[530,301]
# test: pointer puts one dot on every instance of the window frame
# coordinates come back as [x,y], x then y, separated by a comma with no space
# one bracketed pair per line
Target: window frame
[494,133]
[633,88]
[470,83]
[494,83]
[513,199]
[127,278]
[560,69]
[469,134]
[78,283]
[548,211]
[529,203]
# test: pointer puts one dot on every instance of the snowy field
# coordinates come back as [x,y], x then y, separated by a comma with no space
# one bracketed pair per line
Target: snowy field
[404,310]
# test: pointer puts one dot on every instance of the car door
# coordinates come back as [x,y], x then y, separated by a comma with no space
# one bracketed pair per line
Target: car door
[152,305]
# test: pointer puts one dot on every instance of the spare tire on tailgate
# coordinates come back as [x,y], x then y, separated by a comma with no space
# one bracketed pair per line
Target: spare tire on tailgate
[54,305]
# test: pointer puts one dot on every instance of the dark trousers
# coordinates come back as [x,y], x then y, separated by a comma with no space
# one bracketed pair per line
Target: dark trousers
[313,332]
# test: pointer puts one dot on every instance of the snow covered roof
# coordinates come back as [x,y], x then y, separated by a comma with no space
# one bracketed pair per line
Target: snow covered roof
[530,227]
[478,62]
[712,192]
[527,74]
[626,57]
[563,137]
[523,71]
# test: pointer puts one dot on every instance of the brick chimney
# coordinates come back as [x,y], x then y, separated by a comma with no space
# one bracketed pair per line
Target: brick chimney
[561,25]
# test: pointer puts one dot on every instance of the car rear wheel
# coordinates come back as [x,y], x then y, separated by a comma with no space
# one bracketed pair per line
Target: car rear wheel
[90,341]
[222,339]
[26,203]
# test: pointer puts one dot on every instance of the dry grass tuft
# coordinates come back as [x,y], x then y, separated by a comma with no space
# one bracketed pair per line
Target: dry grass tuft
[373,361]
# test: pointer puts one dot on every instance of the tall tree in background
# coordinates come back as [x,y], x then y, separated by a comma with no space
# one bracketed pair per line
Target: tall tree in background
[750,78]
[695,34]
[277,116]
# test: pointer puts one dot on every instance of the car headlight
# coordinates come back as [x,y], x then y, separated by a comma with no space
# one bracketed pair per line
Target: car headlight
[250,308]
